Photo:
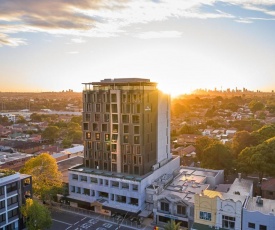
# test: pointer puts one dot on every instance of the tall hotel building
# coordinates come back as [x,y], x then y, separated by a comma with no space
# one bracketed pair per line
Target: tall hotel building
[126,132]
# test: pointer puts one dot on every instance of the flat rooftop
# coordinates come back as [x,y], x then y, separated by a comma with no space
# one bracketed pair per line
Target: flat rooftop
[121,82]
[80,168]
[241,187]
[10,157]
[267,206]
[187,183]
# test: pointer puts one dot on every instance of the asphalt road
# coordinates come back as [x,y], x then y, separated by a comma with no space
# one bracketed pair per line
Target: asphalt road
[63,220]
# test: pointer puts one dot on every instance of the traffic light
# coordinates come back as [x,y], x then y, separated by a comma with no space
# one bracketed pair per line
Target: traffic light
[156,228]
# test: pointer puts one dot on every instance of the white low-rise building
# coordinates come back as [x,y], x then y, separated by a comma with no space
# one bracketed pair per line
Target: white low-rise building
[104,191]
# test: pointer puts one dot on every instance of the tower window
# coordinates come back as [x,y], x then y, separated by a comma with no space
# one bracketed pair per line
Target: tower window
[107,137]
[106,117]
[97,108]
[104,128]
[114,108]
[136,129]
[85,126]
[125,118]
[126,139]
[88,135]
[97,117]
[107,108]
[97,136]
[135,118]
[136,139]
[126,128]
[113,97]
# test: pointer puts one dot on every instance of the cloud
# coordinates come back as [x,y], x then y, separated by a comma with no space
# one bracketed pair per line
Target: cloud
[106,18]
[73,52]
[159,34]
[242,20]
[78,40]
[5,40]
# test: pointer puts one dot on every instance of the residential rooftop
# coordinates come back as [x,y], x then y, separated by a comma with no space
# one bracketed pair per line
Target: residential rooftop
[241,187]
[188,182]
[265,206]
[6,158]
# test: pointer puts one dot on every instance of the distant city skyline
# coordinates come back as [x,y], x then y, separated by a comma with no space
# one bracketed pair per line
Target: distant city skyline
[181,45]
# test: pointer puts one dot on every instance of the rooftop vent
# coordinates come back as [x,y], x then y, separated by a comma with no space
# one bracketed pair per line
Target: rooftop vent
[259,200]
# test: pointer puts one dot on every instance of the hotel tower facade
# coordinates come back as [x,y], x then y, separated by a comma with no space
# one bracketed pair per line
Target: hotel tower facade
[126,133]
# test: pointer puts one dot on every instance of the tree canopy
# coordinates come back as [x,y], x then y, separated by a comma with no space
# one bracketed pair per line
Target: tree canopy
[264,133]
[201,144]
[258,159]
[77,119]
[256,106]
[241,140]
[46,179]
[37,216]
[51,133]
[217,156]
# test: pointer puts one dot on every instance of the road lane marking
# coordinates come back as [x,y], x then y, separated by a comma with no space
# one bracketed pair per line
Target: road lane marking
[62,222]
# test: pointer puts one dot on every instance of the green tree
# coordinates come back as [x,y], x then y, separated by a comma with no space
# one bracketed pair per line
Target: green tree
[76,136]
[201,144]
[67,143]
[218,156]
[21,120]
[262,115]
[188,129]
[178,108]
[77,119]
[74,126]
[211,112]
[37,216]
[241,140]
[256,106]
[271,108]
[46,178]
[258,159]
[35,117]
[248,125]
[51,133]
[232,106]
[172,225]
[60,124]
[264,133]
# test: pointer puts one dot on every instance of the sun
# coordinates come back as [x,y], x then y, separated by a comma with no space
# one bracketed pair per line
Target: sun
[173,90]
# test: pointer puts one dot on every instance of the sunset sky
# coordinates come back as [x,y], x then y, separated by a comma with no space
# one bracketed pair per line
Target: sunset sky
[180,44]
